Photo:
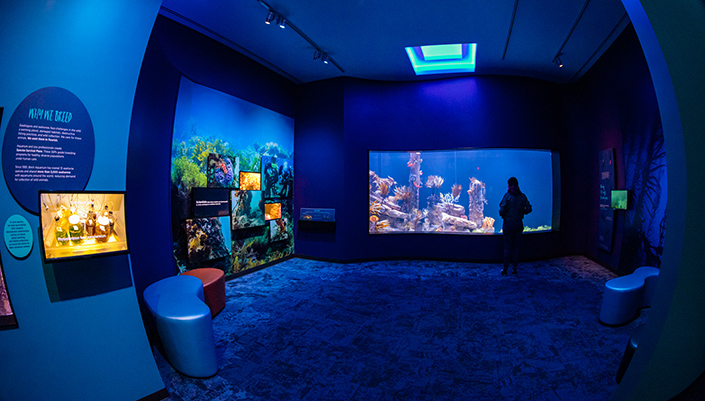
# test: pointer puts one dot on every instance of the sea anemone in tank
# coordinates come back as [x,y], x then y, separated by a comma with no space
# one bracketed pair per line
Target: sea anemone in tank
[385,184]
[402,193]
[455,190]
[375,207]
[381,225]
[487,223]
[434,181]
[449,199]
[374,181]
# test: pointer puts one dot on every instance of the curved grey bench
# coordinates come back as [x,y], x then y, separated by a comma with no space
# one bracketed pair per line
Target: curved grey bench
[625,296]
[184,324]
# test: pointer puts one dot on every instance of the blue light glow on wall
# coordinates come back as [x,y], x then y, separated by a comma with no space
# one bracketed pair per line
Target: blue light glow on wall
[442,59]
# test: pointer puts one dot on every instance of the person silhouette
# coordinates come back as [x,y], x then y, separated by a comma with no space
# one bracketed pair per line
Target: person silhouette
[513,207]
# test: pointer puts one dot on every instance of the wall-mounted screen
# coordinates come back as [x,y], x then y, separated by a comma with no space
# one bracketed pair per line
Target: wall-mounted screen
[619,199]
[250,181]
[272,211]
[223,171]
[206,239]
[247,210]
[82,224]
[278,177]
[211,202]
[459,191]
[279,229]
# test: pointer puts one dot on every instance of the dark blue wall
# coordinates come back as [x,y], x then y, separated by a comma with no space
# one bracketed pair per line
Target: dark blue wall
[443,114]
[319,164]
[173,51]
[621,77]
[79,332]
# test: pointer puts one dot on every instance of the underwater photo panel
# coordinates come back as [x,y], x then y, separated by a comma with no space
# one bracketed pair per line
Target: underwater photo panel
[248,253]
[205,239]
[236,134]
[246,209]
[222,171]
[272,211]
[277,177]
[250,181]
[7,314]
[278,229]
[459,191]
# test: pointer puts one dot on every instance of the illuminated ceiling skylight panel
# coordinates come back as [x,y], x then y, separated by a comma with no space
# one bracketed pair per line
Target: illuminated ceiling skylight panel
[442,59]
[442,52]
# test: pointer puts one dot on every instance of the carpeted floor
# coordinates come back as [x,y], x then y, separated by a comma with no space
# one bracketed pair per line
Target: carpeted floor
[412,330]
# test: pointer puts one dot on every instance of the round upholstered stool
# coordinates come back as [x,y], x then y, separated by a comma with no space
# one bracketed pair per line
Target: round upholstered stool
[184,324]
[213,287]
[625,296]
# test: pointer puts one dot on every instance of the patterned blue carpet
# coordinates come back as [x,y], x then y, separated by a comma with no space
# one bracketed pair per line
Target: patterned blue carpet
[412,330]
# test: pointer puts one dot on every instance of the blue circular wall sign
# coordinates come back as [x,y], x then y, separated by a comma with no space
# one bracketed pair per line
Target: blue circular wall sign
[18,236]
[49,145]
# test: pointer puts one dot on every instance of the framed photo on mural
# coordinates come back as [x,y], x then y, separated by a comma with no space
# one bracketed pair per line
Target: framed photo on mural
[7,314]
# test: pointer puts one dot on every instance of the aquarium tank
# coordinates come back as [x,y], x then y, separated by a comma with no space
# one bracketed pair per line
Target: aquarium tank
[458,191]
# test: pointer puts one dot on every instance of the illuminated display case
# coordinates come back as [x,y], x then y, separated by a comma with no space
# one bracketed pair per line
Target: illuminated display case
[82,224]
[250,181]
[619,199]
[272,211]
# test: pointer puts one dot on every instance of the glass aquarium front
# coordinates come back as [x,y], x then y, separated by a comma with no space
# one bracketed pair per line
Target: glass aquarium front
[82,224]
[458,191]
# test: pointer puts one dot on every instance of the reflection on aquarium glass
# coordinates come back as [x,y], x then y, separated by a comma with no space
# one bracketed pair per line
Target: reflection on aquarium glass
[456,191]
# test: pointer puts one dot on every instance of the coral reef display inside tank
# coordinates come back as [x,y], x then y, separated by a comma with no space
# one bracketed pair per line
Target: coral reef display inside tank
[404,200]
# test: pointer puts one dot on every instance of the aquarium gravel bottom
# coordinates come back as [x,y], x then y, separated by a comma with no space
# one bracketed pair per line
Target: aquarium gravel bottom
[412,330]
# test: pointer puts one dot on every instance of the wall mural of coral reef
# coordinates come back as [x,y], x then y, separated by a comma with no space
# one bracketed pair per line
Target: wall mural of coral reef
[458,191]
[220,141]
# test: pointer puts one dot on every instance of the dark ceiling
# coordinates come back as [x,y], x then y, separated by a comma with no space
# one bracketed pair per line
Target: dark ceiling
[366,38]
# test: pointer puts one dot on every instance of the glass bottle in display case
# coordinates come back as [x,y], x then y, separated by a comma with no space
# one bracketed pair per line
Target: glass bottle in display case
[111,222]
[102,229]
[60,232]
[90,223]
[63,214]
[75,229]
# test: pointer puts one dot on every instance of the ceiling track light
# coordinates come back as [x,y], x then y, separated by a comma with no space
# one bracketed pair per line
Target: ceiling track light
[275,17]
[558,61]
[319,55]
[271,16]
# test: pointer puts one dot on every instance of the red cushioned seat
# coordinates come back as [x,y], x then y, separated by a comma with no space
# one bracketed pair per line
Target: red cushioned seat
[213,287]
